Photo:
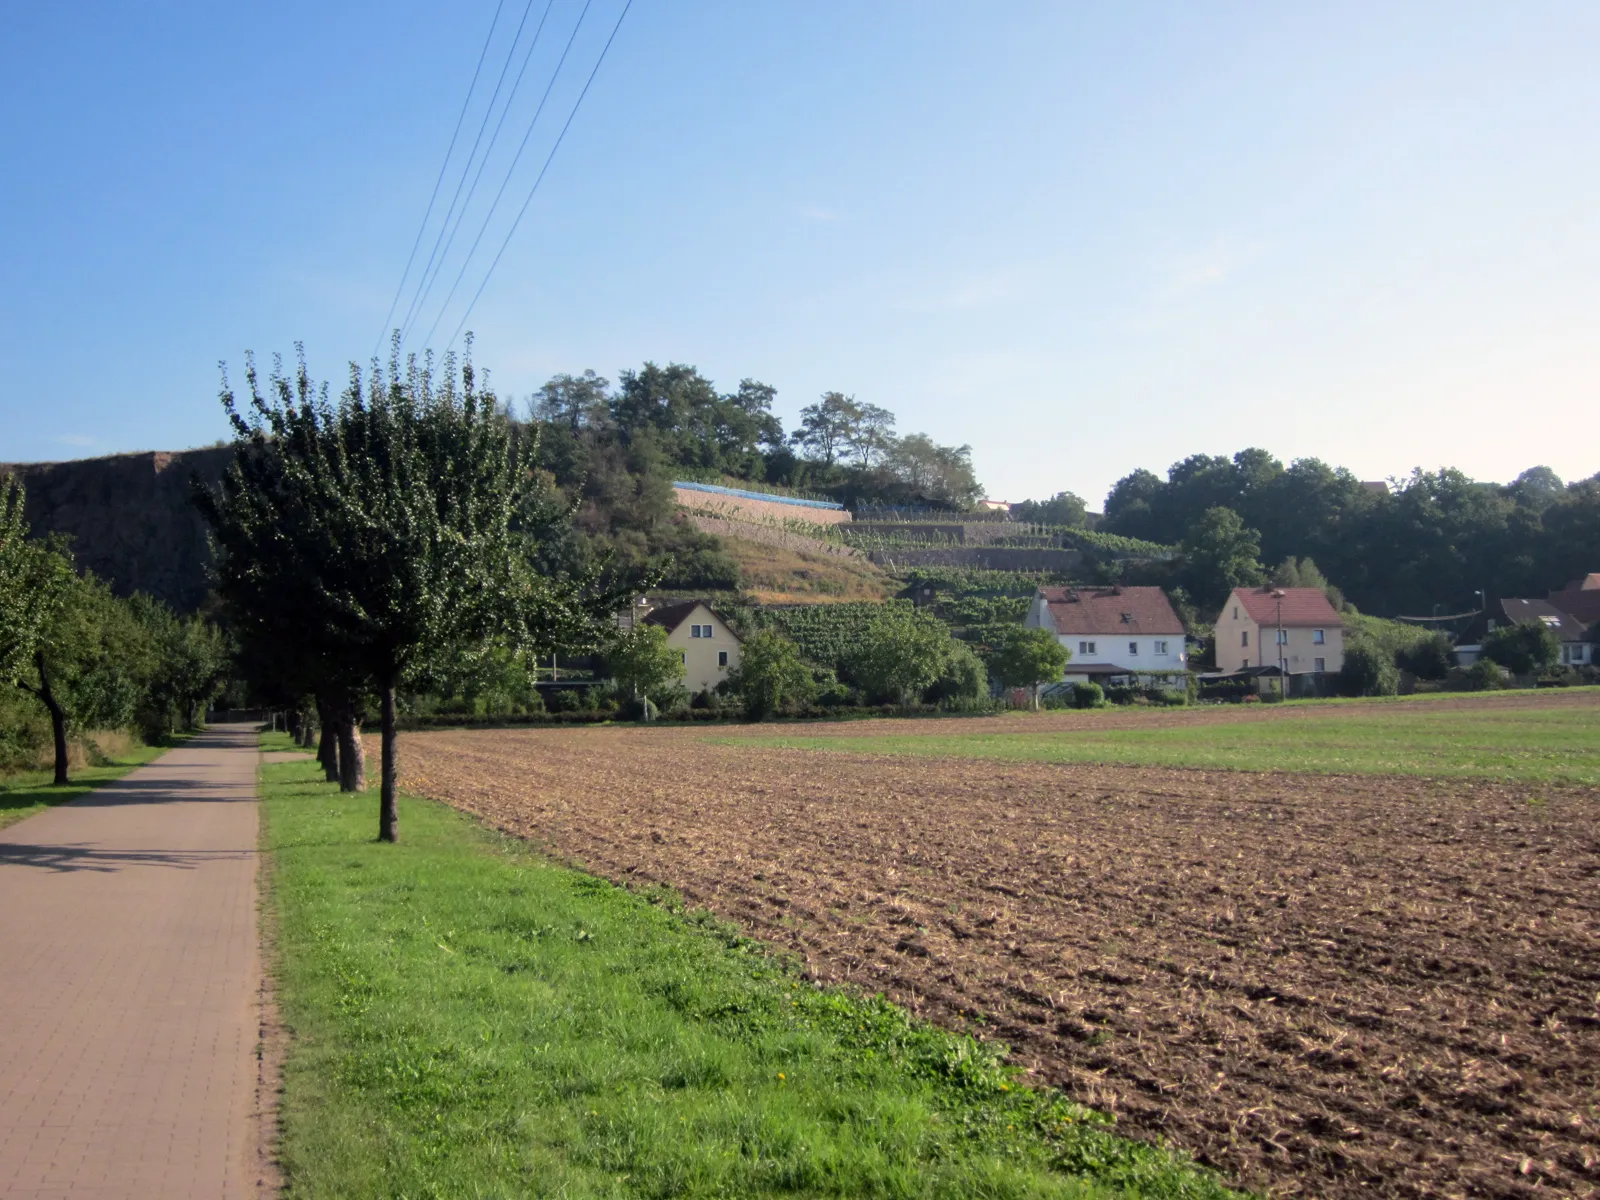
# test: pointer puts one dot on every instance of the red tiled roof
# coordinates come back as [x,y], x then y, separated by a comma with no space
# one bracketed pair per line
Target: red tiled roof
[1111,610]
[1301,606]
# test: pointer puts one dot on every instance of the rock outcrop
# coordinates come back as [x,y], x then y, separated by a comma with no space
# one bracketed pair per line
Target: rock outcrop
[129,518]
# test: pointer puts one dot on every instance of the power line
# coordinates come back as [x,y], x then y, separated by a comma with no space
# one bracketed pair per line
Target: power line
[428,212]
[549,158]
[511,170]
[405,326]
[488,152]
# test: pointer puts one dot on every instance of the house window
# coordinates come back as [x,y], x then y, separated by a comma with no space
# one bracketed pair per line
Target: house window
[1245,663]
[1133,649]
[1087,648]
[1161,648]
[1317,637]
[1235,612]
[1244,637]
[699,631]
[1283,637]
[1321,664]
[722,658]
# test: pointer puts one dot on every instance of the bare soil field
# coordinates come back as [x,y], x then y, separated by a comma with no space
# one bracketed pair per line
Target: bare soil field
[1322,985]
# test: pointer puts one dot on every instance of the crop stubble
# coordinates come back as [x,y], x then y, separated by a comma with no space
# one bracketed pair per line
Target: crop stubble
[1324,986]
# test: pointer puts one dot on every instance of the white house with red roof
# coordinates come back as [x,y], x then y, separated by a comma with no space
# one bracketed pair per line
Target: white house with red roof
[1112,631]
[1261,627]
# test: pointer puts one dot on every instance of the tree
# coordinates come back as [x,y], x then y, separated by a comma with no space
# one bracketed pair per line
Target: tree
[92,659]
[189,665]
[382,532]
[1525,648]
[962,678]
[828,427]
[26,602]
[1219,555]
[1367,671]
[643,664]
[771,674]
[1064,508]
[1027,658]
[573,401]
[933,473]
[873,435]
[901,652]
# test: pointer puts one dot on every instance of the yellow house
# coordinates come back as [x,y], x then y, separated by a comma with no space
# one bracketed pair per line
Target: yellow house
[709,648]
[1266,626]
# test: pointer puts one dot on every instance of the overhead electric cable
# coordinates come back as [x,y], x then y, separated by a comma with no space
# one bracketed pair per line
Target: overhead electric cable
[405,326]
[488,151]
[548,159]
[504,183]
[428,212]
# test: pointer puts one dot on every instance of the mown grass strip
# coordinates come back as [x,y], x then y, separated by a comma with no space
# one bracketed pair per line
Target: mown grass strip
[29,792]
[1524,745]
[467,1019]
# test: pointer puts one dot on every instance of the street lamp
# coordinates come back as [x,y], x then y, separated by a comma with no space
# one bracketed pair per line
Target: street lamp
[1277,594]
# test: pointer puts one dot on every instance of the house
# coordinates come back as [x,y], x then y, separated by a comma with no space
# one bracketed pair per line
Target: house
[1577,643]
[1113,632]
[1266,626]
[709,648]
[1580,599]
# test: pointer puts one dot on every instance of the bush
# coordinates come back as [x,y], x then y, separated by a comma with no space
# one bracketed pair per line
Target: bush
[1427,659]
[566,699]
[1175,699]
[638,708]
[1368,671]
[1525,648]
[1121,694]
[1485,675]
[1088,695]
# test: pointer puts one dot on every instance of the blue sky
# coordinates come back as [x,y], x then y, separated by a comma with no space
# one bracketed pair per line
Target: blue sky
[1081,238]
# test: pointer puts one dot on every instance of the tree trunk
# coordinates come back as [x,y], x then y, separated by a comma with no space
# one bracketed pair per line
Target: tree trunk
[388,813]
[307,728]
[58,719]
[352,756]
[328,746]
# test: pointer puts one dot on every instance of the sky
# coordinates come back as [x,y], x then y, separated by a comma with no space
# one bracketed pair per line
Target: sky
[1082,238]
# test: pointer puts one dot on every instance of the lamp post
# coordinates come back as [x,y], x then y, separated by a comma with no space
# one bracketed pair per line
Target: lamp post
[1277,594]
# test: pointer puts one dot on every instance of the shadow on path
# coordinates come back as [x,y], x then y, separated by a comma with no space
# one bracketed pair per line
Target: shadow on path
[85,857]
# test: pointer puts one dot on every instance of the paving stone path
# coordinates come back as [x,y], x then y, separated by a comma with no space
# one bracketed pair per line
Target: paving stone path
[130,979]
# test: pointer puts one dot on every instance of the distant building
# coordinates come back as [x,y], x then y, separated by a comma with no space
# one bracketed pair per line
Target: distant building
[994,506]
[709,648]
[1261,627]
[1577,637]
[1113,632]
[1580,599]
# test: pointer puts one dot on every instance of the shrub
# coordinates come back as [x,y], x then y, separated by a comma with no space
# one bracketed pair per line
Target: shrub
[1485,675]
[566,700]
[1088,695]
[1428,658]
[1367,671]
[1526,648]
[1121,694]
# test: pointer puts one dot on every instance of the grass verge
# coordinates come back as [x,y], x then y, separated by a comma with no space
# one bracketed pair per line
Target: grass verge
[29,792]
[1525,744]
[467,1019]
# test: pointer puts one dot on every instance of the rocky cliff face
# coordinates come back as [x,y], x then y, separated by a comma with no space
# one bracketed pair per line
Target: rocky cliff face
[129,518]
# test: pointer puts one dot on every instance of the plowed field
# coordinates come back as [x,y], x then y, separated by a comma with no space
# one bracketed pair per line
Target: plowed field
[1323,985]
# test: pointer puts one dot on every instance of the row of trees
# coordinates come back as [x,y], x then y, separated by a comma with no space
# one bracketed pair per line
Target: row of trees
[844,447]
[80,658]
[1434,538]
[387,539]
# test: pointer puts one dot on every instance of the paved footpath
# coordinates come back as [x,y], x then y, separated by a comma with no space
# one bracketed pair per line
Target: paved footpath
[130,975]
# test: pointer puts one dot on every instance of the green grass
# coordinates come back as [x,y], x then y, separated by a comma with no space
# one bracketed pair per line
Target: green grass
[1528,744]
[469,1020]
[28,792]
